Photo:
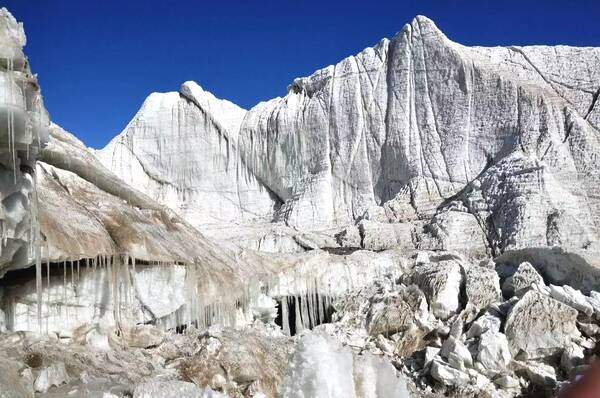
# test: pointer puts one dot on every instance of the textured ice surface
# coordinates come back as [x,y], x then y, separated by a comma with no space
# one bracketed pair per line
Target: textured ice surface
[412,121]
[173,389]
[181,148]
[23,132]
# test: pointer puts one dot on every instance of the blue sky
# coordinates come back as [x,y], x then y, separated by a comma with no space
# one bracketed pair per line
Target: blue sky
[98,60]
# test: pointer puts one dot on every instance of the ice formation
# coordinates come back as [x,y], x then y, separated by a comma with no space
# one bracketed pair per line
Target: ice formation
[323,368]
[23,131]
[86,231]
[306,286]
[421,218]
[415,130]
[183,150]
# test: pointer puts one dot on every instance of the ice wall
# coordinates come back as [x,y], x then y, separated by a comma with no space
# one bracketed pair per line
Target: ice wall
[420,107]
[181,149]
[415,119]
[110,254]
[23,132]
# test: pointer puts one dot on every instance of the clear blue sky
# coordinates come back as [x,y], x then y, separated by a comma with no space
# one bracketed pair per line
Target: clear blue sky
[98,60]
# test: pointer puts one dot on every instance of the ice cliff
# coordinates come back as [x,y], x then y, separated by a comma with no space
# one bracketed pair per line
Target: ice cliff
[181,148]
[405,131]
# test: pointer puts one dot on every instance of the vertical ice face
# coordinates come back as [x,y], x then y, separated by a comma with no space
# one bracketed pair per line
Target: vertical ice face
[416,115]
[181,149]
[23,132]
[420,107]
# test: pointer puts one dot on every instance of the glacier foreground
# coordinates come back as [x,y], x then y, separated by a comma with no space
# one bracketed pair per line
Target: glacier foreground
[421,219]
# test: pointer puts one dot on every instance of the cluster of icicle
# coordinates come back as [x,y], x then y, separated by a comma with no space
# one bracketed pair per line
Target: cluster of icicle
[72,293]
[305,292]
[23,131]
[310,310]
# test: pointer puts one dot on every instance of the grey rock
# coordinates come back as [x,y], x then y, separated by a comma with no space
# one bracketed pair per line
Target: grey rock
[456,361]
[589,329]
[594,301]
[573,298]
[486,322]
[441,283]
[572,357]
[539,326]
[502,309]
[448,375]
[454,347]
[430,354]
[507,382]
[521,280]
[539,373]
[482,286]
[493,352]
[399,311]
[576,267]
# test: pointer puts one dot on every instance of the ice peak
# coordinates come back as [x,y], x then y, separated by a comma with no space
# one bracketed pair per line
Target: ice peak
[421,25]
[225,113]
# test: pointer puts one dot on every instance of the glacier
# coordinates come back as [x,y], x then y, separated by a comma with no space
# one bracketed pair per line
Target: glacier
[420,219]
[401,132]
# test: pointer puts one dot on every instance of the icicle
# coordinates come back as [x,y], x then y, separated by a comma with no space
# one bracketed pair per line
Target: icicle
[124,273]
[320,306]
[112,269]
[36,249]
[64,289]
[285,322]
[47,286]
[299,326]
[10,117]
[38,285]
[304,309]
